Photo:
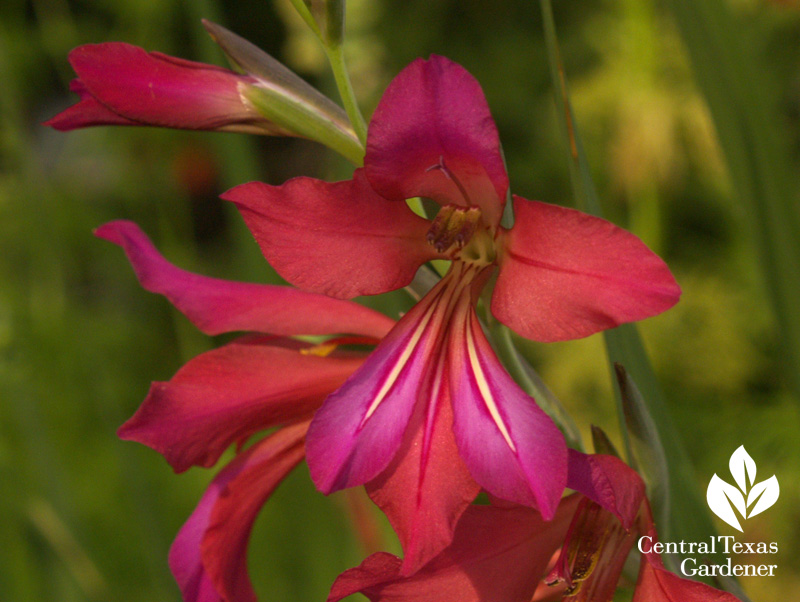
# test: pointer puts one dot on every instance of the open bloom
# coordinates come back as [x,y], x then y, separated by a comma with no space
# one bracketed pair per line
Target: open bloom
[432,416]
[229,394]
[500,552]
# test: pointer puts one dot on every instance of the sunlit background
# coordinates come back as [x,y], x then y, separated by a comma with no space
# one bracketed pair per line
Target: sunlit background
[85,516]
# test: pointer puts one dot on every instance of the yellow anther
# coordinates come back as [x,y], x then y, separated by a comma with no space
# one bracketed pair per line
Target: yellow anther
[321,350]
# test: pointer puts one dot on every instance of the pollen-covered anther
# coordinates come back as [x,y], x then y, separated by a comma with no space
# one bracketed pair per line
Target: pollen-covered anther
[453,226]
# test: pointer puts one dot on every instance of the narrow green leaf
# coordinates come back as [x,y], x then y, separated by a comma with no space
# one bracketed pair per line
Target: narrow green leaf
[648,457]
[689,518]
[723,50]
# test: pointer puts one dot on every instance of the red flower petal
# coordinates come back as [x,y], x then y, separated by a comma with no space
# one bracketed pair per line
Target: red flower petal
[86,113]
[340,239]
[435,112]
[497,555]
[427,487]
[565,275]
[208,557]
[150,88]
[217,306]
[227,394]
[609,482]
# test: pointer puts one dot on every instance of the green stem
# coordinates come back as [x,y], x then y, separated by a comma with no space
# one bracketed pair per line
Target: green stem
[336,59]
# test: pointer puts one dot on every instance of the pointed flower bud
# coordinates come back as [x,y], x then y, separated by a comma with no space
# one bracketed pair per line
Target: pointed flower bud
[121,84]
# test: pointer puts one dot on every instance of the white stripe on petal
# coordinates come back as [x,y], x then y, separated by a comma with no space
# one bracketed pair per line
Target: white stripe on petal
[485,388]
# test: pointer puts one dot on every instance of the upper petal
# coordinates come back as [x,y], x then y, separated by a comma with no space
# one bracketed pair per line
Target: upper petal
[217,306]
[512,448]
[227,394]
[565,275]
[340,239]
[497,555]
[150,88]
[434,112]
[208,557]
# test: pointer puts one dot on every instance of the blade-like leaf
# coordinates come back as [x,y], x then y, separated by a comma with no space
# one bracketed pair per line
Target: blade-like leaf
[766,492]
[741,98]
[740,464]
[647,452]
[689,517]
[720,495]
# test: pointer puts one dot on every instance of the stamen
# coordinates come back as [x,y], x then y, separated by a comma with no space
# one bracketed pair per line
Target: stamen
[321,350]
[452,177]
[453,225]
[325,348]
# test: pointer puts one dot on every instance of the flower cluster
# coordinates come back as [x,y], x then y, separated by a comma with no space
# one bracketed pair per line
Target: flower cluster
[429,417]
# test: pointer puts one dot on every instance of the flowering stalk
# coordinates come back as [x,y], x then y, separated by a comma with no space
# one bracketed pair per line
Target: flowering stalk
[340,73]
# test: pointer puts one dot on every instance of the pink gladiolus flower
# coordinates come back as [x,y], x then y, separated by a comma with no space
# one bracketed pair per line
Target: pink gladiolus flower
[120,84]
[500,553]
[432,416]
[226,395]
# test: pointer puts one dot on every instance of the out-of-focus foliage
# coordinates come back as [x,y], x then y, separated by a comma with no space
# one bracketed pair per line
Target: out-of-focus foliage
[88,517]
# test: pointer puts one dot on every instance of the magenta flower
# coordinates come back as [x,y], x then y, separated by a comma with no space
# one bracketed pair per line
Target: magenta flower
[432,416]
[500,553]
[229,394]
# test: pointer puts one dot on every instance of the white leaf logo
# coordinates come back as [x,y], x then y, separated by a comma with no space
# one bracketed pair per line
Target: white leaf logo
[748,499]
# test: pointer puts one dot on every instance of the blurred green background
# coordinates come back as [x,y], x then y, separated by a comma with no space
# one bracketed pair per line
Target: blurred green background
[693,136]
